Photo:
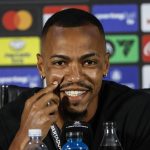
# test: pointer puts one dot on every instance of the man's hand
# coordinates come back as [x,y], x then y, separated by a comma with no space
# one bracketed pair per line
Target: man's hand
[40,111]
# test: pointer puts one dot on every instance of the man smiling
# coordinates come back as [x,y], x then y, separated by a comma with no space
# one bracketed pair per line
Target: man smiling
[73,61]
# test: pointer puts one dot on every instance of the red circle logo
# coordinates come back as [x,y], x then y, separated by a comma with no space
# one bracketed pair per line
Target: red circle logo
[17,20]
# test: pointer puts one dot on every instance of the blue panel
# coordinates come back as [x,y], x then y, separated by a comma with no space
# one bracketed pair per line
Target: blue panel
[117,18]
[127,75]
[28,77]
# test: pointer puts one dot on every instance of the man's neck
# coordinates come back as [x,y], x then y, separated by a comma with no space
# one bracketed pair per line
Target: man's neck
[92,107]
[91,110]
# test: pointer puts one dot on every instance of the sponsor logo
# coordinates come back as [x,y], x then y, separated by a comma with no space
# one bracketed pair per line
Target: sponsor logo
[19,51]
[121,17]
[20,76]
[123,48]
[119,74]
[77,124]
[146,48]
[48,11]
[17,44]
[17,20]
[145,17]
[145,76]
[20,20]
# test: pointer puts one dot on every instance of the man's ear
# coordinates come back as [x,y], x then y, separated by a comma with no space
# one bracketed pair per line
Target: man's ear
[40,65]
[107,64]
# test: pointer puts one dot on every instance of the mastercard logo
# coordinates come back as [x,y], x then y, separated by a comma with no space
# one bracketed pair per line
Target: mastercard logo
[17,20]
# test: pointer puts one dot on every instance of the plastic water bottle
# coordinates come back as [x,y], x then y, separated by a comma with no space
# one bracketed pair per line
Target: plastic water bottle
[74,142]
[110,139]
[35,142]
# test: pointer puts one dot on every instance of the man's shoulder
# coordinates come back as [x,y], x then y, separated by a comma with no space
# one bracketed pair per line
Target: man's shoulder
[125,105]
[115,90]
[129,108]
[112,89]
[107,84]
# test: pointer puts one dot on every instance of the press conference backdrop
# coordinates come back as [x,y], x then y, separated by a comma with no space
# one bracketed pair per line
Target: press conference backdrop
[126,23]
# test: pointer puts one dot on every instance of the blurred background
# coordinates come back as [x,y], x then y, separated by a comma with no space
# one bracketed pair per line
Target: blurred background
[127,27]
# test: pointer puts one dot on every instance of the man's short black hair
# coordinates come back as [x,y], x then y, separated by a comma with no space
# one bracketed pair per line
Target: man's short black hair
[72,17]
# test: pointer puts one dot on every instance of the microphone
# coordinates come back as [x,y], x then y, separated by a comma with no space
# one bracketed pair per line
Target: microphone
[79,126]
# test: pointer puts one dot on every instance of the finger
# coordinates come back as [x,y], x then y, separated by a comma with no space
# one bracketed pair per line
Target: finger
[51,110]
[42,92]
[57,89]
[48,98]
[49,88]
[51,113]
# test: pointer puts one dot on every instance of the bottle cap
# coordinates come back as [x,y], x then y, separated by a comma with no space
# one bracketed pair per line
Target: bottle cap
[109,124]
[34,132]
[74,134]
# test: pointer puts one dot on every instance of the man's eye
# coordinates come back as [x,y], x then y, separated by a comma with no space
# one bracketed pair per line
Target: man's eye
[90,62]
[59,63]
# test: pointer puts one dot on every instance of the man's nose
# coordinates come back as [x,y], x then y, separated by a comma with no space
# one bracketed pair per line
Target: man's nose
[75,72]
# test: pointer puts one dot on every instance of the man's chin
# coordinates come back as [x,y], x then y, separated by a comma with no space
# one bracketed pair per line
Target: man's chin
[73,115]
[71,112]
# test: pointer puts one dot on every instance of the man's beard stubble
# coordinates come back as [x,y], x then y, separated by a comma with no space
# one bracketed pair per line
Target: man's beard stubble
[68,114]
[65,111]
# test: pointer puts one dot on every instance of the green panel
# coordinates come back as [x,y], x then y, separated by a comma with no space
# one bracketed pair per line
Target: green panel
[125,48]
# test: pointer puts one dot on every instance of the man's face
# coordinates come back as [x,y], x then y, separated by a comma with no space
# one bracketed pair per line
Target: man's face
[76,58]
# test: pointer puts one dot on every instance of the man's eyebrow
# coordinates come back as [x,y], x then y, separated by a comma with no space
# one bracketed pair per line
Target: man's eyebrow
[81,58]
[89,55]
[60,56]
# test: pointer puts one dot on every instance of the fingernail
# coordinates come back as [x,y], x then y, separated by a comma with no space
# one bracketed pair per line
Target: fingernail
[55,82]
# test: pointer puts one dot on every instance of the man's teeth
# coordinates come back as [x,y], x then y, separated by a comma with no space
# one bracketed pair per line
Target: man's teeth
[74,93]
